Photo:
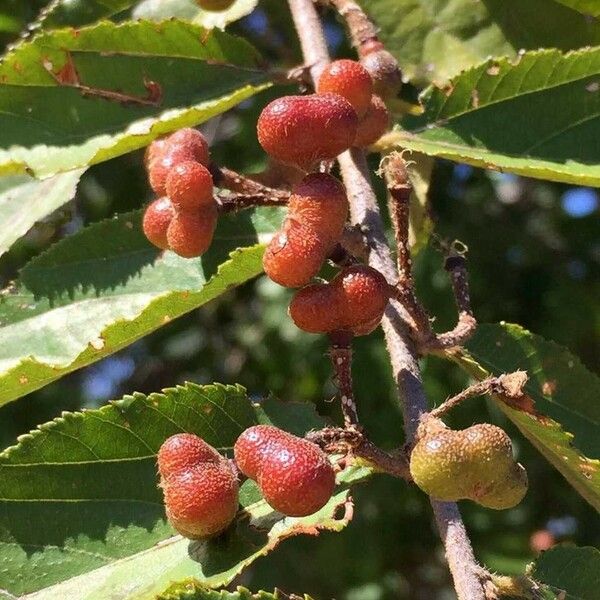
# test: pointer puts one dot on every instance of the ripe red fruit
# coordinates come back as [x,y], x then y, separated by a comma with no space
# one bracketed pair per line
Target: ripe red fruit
[319,201]
[162,155]
[190,233]
[294,255]
[202,501]
[317,211]
[349,79]
[157,218]
[373,125]
[302,130]
[353,301]
[250,448]
[182,451]
[189,185]
[294,475]
[384,71]
[199,485]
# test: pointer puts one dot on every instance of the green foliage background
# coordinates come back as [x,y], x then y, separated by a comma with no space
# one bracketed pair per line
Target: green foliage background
[530,262]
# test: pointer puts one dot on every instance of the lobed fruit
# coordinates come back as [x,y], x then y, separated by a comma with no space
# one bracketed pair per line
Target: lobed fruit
[353,301]
[302,130]
[475,464]
[189,185]
[163,155]
[182,451]
[202,501]
[293,474]
[373,125]
[384,72]
[190,233]
[199,485]
[349,79]
[157,218]
[317,212]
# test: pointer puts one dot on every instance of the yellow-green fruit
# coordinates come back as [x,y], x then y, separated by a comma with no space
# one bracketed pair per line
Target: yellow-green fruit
[475,464]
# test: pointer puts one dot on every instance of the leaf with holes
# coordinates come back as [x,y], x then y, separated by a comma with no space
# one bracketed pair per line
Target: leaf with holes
[434,41]
[538,117]
[564,424]
[81,509]
[24,201]
[124,85]
[99,290]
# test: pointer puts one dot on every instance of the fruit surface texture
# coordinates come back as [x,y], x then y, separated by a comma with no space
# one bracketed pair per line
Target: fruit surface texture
[374,124]
[349,79]
[303,130]
[156,221]
[475,463]
[293,474]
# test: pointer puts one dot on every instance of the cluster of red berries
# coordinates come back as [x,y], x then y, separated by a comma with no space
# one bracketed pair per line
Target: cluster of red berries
[200,486]
[302,131]
[184,217]
[344,112]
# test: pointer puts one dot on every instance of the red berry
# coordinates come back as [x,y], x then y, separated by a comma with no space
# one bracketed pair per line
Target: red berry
[373,125]
[353,301]
[294,255]
[296,477]
[157,219]
[182,451]
[364,294]
[384,71]
[162,155]
[302,130]
[349,79]
[190,233]
[319,201]
[202,501]
[189,186]
[251,446]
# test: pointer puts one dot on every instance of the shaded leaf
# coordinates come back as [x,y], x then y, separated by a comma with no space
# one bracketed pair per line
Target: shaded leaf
[434,41]
[420,225]
[188,9]
[105,287]
[569,569]
[565,425]
[539,117]
[79,502]
[75,13]
[124,85]
[24,201]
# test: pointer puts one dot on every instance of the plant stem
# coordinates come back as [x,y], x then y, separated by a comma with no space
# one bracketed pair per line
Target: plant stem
[365,211]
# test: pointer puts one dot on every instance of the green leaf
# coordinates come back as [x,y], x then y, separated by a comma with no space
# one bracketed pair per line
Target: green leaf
[24,201]
[188,590]
[123,85]
[565,423]
[435,40]
[99,290]
[75,13]
[539,117]
[80,509]
[585,7]
[420,168]
[157,10]
[569,569]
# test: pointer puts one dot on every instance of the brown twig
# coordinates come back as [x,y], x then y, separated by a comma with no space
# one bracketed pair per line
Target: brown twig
[365,211]
[234,202]
[456,265]
[340,352]
[244,185]
[353,442]
[508,385]
[362,30]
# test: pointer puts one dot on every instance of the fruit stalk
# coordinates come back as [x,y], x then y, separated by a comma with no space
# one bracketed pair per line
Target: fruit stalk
[364,210]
